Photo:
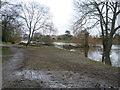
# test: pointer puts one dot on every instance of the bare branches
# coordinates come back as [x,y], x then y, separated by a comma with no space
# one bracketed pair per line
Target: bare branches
[36,17]
[106,15]
[104,12]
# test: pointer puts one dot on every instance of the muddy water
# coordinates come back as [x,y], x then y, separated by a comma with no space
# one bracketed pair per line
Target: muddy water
[41,77]
[61,79]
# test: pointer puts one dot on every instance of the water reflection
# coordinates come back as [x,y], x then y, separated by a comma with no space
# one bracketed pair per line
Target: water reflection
[95,53]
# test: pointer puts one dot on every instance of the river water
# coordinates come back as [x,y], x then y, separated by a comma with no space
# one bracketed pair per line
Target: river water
[95,53]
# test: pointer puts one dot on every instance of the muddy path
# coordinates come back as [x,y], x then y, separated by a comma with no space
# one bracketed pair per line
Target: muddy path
[18,74]
[14,76]
[12,65]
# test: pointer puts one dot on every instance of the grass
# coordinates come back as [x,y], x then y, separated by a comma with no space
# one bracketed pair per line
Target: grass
[43,57]
[6,53]
[49,52]
[64,41]
[7,43]
[0,50]
[54,59]
[51,58]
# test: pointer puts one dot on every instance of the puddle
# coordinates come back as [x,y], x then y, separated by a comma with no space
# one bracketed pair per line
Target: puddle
[60,79]
[41,77]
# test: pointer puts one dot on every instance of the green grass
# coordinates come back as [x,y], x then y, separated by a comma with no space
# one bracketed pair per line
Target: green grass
[0,50]
[51,58]
[7,43]
[64,41]
[49,52]
[6,53]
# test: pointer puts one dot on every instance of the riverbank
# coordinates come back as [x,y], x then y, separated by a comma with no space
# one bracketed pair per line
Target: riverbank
[50,67]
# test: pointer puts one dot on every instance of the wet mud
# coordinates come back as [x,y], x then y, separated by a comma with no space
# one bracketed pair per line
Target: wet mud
[16,76]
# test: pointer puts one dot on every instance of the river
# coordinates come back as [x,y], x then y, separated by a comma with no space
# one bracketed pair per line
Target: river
[95,53]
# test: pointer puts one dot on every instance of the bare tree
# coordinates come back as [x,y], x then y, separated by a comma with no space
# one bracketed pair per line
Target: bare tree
[103,14]
[10,20]
[49,28]
[35,16]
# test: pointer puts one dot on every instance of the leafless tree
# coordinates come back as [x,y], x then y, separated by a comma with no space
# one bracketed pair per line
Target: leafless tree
[103,14]
[35,17]
[10,20]
[49,28]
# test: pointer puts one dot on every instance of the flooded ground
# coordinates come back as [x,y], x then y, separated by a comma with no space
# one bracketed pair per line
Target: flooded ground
[35,67]
[95,53]
[10,66]
[61,79]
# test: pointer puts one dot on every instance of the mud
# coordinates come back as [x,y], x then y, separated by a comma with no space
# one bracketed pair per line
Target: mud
[16,76]
[11,66]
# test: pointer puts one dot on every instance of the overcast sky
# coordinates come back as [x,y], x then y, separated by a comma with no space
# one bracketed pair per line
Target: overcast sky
[63,14]
[62,11]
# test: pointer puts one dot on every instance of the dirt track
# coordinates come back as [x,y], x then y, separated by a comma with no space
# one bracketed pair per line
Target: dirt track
[19,72]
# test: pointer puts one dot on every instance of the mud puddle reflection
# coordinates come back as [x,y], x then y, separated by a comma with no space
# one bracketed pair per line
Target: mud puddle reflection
[61,79]
[41,77]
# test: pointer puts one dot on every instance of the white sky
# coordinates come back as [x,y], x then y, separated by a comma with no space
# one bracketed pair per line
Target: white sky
[62,11]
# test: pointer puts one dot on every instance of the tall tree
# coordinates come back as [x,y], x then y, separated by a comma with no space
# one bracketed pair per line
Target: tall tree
[10,20]
[35,16]
[103,14]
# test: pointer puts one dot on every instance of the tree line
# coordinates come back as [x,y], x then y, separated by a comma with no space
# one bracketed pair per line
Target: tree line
[22,17]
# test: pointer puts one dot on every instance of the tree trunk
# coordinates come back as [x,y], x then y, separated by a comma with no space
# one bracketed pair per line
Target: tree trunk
[103,56]
[107,51]
[107,58]
[86,45]
[104,49]
[86,52]
[27,43]
[29,40]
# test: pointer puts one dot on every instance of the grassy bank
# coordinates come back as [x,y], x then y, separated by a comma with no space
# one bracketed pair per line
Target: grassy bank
[6,53]
[51,58]
[65,41]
